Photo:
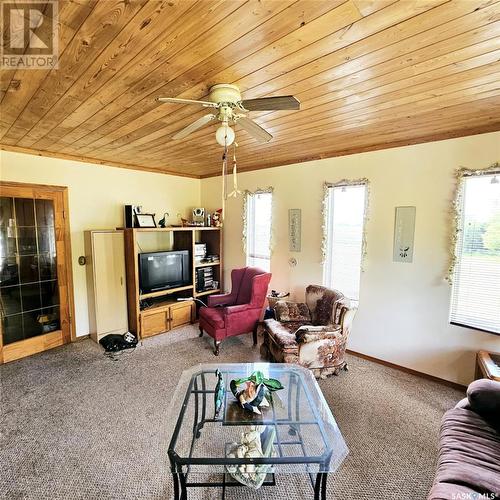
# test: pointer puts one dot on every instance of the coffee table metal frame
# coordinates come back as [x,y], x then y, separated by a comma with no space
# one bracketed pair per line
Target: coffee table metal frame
[197,389]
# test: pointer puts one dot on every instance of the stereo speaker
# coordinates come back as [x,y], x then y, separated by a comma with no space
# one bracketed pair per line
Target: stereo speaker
[129,215]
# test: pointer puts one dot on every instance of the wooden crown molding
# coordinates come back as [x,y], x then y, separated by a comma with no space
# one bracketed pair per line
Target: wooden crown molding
[372,147]
[495,127]
[86,159]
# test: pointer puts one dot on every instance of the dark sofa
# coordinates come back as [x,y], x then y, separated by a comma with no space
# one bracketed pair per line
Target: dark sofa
[469,447]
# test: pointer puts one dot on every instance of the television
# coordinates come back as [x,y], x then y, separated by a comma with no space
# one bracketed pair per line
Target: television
[163,270]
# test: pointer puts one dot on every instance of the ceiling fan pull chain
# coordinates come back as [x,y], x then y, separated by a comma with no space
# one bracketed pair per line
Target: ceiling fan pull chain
[235,192]
[224,183]
[225,167]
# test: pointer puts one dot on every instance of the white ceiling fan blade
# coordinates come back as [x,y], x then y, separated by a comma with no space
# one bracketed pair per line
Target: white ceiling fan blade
[194,126]
[176,100]
[254,129]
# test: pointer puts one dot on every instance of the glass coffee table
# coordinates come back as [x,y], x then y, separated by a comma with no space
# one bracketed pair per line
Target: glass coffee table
[304,437]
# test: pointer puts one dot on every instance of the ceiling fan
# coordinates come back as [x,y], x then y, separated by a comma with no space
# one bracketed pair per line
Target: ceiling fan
[230,108]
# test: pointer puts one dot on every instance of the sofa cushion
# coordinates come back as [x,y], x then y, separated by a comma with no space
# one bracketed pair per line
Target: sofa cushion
[291,311]
[214,316]
[468,456]
[484,398]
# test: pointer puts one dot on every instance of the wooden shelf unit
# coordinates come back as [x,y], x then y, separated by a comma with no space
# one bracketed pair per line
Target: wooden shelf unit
[162,293]
[169,313]
[213,241]
[208,292]
[161,318]
[207,264]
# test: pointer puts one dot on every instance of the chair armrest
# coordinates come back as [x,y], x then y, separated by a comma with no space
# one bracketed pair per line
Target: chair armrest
[306,334]
[225,299]
[236,309]
[484,398]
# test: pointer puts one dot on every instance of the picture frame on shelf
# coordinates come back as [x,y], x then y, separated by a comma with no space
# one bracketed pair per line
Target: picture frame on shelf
[145,220]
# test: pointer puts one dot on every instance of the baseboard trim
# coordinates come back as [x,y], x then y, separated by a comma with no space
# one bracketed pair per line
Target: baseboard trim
[408,370]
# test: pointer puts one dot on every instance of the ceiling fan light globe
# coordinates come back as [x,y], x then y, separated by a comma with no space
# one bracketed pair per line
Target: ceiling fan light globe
[224,135]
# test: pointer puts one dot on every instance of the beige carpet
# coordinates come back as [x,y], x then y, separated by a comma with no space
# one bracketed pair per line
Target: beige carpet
[76,425]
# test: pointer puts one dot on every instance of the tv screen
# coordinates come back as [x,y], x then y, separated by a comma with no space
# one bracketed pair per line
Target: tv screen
[163,270]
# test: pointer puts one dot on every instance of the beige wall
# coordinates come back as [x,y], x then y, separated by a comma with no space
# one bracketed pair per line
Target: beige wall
[403,313]
[96,198]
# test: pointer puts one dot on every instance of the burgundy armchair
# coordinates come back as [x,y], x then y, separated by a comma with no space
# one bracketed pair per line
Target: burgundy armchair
[237,312]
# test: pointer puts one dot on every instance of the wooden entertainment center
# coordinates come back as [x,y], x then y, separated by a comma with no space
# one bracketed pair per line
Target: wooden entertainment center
[167,312]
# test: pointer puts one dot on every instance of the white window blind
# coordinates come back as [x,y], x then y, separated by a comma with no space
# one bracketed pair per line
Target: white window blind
[345,218]
[475,297]
[258,229]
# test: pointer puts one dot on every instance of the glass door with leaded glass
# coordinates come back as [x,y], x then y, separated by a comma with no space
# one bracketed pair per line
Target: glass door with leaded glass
[33,275]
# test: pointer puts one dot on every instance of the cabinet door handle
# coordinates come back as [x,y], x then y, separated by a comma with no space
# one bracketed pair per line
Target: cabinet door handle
[121,280]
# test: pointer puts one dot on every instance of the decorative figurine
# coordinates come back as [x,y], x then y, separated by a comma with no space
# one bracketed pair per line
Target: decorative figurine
[217,218]
[257,393]
[255,443]
[220,391]
[163,222]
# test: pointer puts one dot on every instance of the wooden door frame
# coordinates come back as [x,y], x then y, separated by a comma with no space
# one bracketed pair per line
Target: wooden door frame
[28,190]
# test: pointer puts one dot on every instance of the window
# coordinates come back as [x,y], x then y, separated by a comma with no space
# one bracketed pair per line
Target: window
[475,297]
[258,229]
[344,224]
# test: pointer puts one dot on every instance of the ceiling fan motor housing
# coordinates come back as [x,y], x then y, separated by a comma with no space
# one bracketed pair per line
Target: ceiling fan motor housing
[225,93]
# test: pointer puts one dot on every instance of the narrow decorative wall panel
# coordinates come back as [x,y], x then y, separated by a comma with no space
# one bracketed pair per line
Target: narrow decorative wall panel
[294,229]
[404,234]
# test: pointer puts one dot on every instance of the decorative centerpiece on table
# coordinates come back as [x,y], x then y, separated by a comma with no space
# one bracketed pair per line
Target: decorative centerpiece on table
[258,391]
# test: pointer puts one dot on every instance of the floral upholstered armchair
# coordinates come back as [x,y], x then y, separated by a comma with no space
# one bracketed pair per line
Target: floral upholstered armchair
[313,334]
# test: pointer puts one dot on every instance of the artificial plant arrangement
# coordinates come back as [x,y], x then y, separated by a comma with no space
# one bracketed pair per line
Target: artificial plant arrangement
[258,391]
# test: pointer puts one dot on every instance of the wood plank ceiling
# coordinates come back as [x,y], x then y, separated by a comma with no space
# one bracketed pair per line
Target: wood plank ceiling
[370,74]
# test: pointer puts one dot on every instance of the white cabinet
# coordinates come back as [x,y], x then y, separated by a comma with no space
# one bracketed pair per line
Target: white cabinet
[106,284]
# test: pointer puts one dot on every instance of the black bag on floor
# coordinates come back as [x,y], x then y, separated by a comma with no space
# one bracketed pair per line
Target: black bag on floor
[114,343]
